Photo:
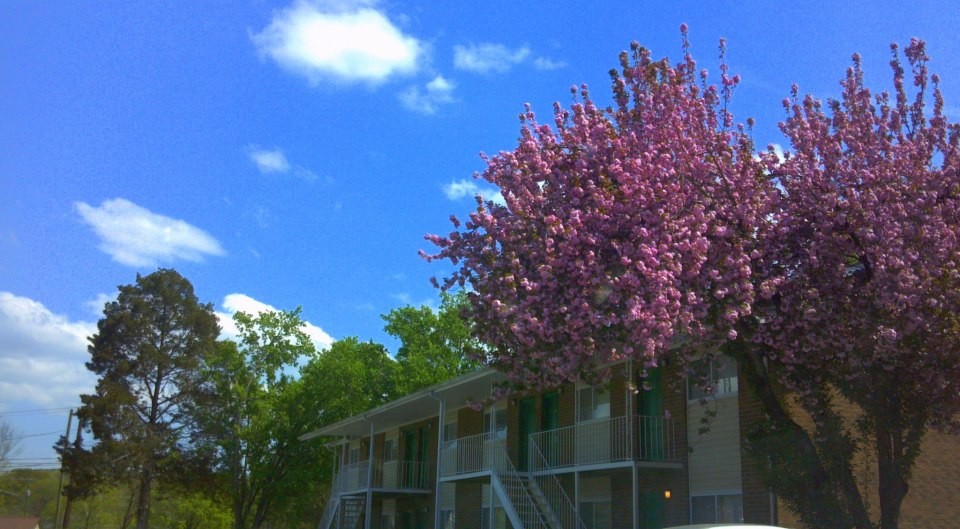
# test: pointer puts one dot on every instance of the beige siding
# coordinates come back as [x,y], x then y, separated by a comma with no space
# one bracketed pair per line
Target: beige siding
[715,456]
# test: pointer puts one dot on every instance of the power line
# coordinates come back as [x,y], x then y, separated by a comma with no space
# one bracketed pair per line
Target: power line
[32,412]
[34,435]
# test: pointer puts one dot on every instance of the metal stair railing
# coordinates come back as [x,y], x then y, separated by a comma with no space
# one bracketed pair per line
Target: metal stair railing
[505,475]
[328,513]
[351,509]
[557,498]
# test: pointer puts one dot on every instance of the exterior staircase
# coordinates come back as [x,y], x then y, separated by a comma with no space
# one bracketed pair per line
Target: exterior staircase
[521,497]
[531,500]
[343,512]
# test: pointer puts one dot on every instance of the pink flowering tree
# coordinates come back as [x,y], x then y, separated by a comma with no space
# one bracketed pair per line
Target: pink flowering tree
[860,281]
[623,228]
[652,230]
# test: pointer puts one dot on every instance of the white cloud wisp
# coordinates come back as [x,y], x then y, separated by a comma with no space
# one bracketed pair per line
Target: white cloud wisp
[269,161]
[135,236]
[488,57]
[437,92]
[459,189]
[274,161]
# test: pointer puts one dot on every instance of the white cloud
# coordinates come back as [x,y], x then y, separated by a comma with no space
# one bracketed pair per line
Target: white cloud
[42,354]
[545,64]
[437,92]
[459,189]
[349,44]
[135,236]
[402,297]
[96,305]
[269,161]
[234,303]
[488,57]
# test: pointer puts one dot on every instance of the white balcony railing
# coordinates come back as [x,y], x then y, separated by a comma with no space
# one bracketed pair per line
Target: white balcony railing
[392,474]
[475,453]
[602,441]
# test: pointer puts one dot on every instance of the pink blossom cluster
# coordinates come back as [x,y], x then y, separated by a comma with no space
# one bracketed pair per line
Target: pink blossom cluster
[653,228]
[623,228]
[862,257]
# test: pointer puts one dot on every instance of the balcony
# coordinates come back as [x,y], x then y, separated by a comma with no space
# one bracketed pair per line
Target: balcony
[607,441]
[387,475]
[468,455]
[653,441]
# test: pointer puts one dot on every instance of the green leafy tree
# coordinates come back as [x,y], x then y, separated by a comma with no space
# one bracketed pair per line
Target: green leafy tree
[249,419]
[351,377]
[192,511]
[434,345]
[147,352]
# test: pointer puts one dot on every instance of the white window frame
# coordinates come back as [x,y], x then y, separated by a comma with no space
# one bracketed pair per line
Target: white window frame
[716,506]
[723,386]
[599,405]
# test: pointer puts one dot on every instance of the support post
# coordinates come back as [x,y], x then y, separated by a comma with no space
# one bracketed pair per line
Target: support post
[440,440]
[369,510]
[636,509]
[66,440]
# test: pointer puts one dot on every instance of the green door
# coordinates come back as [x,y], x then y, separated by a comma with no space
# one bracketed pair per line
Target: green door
[549,420]
[423,455]
[408,464]
[528,425]
[651,510]
[651,424]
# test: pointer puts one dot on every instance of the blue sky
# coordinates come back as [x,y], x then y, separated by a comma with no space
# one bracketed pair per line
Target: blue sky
[294,154]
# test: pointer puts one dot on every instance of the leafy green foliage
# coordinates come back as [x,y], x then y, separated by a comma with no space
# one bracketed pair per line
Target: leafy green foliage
[250,415]
[435,345]
[350,377]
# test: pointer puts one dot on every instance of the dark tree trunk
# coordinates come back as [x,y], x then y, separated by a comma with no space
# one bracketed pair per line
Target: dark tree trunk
[143,498]
[821,481]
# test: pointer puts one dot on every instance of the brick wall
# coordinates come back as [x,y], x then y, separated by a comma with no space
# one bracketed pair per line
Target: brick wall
[934,486]
[756,497]
[621,499]
[469,499]
[469,422]
[934,497]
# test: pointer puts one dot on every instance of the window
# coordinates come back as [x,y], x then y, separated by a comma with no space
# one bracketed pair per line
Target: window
[448,518]
[390,449]
[719,508]
[449,431]
[594,403]
[499,518]
[595,514]
[354,455]
[448,505]
[501,423]
[719,374]
[388,514]
[595,505]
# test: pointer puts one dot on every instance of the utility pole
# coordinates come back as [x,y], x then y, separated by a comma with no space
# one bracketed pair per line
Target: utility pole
[66,440]
[77,444]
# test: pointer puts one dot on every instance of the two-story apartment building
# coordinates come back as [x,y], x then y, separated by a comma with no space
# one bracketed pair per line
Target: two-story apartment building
[575,457]
[580,457]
